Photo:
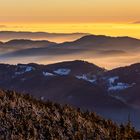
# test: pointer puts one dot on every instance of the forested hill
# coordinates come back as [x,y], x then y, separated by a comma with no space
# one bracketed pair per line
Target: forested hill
[23,117]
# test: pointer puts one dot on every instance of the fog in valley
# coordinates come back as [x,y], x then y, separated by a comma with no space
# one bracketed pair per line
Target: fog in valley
[101,59]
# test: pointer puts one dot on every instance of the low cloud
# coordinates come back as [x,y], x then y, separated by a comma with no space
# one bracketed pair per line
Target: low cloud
[7,26]
[3,26]
[136,22]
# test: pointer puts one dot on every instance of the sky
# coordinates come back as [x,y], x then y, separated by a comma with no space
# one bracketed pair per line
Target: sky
[62,11]
[110,17]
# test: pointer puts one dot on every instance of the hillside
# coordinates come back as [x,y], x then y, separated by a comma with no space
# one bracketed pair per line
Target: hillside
[80,84]
[23,117]
[126,83]
[72,82]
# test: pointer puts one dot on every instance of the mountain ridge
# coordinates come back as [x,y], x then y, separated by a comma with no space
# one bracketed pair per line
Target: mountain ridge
[60,37]
[101,40]
[98,45]
[81,84]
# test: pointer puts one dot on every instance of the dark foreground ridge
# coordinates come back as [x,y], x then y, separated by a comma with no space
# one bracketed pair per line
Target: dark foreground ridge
[23,117]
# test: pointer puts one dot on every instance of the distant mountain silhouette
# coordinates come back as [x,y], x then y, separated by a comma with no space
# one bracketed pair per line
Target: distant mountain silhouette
[1,43]
[103,42]
[101,45]
[21,42]
[54,37]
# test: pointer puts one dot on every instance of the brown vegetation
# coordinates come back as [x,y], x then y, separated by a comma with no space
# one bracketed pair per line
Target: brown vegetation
[23,117]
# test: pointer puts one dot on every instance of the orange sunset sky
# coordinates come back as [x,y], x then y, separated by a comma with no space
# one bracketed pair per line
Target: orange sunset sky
[109,17]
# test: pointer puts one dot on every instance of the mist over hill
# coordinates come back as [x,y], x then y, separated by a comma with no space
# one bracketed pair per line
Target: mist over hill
[54,37]
[116,51]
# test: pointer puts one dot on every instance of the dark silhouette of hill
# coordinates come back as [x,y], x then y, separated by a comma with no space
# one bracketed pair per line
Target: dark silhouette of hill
[21,44]
[113,94]
[24,117]
[103,42]
[61,83]
[60,37]
[1,43]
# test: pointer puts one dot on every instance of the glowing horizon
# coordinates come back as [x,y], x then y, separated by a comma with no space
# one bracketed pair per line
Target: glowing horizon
[110,29]
[106,17]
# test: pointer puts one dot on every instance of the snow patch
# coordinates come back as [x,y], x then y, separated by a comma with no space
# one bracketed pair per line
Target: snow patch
[48,74]
[29,68]
[24,69]
[113,85]
[119,86]
[111,80]
[62,71]
[85,77]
